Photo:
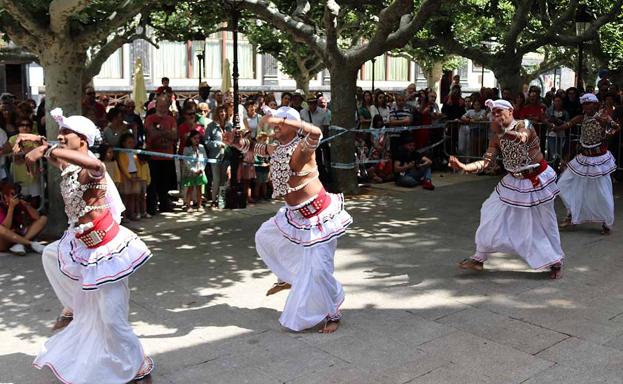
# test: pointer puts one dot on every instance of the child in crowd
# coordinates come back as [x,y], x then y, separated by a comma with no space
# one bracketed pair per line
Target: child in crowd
[107,156]
[130,183]
[194,177]
[30,184]
[144,176]
[261,169]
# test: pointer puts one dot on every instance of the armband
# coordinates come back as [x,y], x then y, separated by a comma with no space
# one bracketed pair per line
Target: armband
[48,152]
[245,145]
[260,149]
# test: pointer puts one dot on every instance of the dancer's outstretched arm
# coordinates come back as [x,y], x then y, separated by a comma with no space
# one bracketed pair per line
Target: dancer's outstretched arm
[477,166]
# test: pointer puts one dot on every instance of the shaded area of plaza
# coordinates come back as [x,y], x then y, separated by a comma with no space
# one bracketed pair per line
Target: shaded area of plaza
[411,315]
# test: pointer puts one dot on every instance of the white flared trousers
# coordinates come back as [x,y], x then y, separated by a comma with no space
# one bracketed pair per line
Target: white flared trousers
[98,346]
[315,293]
[588,199]
[530,232]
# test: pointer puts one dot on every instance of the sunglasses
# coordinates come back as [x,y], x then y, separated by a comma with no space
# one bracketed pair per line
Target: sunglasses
[25,125]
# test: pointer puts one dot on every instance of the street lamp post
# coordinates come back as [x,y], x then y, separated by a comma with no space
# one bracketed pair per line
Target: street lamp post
[373,63]
[200,57]
[582,22]
[234,6]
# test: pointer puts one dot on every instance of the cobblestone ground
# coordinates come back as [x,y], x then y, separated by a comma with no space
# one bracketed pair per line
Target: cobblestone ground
[411,316]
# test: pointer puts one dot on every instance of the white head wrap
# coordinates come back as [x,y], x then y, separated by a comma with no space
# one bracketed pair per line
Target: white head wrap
[588,98]
[498,104]
[78,124]
[287,113]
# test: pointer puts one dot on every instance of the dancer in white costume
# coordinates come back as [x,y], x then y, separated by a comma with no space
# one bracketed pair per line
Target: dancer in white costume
[585,186]
[89,266]
[518,217]
[298,244]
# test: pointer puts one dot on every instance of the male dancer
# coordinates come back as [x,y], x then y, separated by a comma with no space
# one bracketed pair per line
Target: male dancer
[298,244]
[518,217]
[89,266]
[585,186]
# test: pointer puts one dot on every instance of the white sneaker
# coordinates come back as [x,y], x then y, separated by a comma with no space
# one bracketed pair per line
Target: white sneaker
[18,249]
[37,246]
[146,215]
[138,216]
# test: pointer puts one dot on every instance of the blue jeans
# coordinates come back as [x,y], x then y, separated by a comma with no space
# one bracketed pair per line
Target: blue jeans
[414,177]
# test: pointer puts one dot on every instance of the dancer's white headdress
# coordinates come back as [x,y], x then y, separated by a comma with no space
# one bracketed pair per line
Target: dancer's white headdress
[498,104]
[78,124]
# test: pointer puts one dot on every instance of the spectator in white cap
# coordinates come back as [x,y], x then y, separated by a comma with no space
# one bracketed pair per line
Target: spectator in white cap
[586,187]
[298,244]
[518,217]
[89,266]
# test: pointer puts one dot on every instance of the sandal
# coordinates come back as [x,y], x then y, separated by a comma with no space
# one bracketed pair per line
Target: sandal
[145,371]
[605,230]
[278,287]
[555,271]
[472,264]
[62,321]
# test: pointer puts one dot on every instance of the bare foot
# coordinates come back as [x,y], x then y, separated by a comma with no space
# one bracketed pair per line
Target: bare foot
[330,326]
[62,321]
[471,264]
[555,271]
[566,223]
[278,287]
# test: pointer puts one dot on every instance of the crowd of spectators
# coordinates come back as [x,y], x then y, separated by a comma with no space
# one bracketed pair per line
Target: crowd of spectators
[194,128]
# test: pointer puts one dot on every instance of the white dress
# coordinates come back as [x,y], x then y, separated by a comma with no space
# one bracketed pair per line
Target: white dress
[586,186]
[519,216]
[300,251]
[98,346]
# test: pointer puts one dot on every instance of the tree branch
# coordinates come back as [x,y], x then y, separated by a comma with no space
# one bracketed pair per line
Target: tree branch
[62,10]
[386,38]
[593,29]
[94,66]
[302,7]
[331,13]
[522,13]
[100,30]
[18,34]
[299,30]
[25,19]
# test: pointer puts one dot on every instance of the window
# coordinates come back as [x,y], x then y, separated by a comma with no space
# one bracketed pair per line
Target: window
[397,68]
[379,69]
[113,66]
[170,60]
[211,65]
[246,55]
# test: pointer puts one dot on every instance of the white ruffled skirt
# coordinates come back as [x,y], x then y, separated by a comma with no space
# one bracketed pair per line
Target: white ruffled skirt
[519,218]
[99,345]
[300,252]
[586,189]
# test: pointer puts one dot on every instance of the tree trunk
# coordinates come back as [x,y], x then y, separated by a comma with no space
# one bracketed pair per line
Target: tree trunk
[433,78]
[63,79]
[344,106]
[508,73]
[302,82]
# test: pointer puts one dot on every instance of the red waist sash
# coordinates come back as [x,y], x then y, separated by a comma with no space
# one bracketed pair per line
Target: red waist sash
[532,174]
[104,229]
[315,207]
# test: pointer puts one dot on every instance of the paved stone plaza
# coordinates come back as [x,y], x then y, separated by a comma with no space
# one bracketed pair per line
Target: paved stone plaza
[410,315]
